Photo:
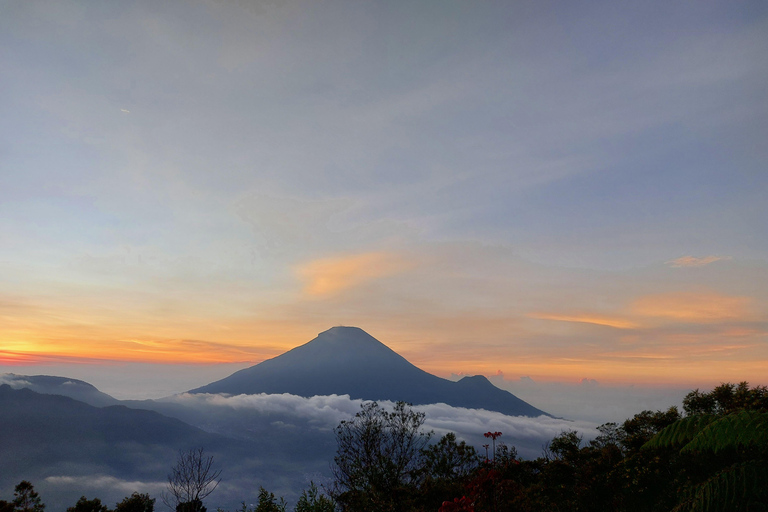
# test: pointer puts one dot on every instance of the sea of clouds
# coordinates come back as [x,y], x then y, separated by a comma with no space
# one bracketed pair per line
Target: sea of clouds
[324,413]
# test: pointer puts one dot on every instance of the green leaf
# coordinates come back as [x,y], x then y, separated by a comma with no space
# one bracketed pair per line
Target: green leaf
[744,429]
[680,432]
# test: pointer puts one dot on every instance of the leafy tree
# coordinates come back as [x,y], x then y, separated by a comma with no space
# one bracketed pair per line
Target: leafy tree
[379,458]
[26,499]
[312,501]
[195,505]
[136,503]
[191,480]
[446,465]
[724,443]
[639,429]
[6,506]
[564,446]
[268,503]
[86,505]
[726,399]
[448,459]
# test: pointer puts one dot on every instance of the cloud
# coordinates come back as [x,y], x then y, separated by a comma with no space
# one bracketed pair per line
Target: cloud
[15,381]
[100,481]
[587,318]
[702,307]
[591,400]
[333,275]
[692,261]
[323,413]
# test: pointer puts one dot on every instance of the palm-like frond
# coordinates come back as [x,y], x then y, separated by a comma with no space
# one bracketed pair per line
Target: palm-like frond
[735,488]
[680,432]
[744,429]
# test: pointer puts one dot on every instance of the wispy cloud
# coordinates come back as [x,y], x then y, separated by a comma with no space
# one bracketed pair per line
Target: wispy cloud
[330,276]
[587,318]
[100,481]
[701,307]
[693,261]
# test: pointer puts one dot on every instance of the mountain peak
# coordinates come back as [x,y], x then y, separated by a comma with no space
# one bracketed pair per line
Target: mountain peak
[349,361]
[342,334]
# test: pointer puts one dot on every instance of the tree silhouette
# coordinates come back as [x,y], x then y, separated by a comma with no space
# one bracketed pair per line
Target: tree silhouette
[312,501]
[86,505]
[191,480]
[268,502]
[378,458]
[26,499]
[136,503]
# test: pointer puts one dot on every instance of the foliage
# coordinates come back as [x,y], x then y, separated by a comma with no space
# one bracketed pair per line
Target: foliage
[735,488]
[727,448]
[312,501]
[191,480]
[6,506]
[136,503]
[563,446]
[446,465]
[268,502]
[86,505]
[448,459]
[379,457]
[726,399]
[26,499]
[679,433]
[638,430]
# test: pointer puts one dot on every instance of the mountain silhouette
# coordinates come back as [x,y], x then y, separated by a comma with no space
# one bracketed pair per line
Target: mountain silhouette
[50,385]
[349,361]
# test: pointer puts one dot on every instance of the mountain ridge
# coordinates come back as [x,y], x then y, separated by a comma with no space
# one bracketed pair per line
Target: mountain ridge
[349,361]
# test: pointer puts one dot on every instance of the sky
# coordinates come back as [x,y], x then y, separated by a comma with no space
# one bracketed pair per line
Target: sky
[534,191]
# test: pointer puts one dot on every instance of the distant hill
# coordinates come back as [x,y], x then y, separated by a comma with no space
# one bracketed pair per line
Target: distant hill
[40,428]
[349,361]
[49,385]
[65,447]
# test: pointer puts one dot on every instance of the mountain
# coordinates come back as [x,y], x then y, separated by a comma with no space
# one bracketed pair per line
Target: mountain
[349,361]
[49,385]
[66,448]
[45,428]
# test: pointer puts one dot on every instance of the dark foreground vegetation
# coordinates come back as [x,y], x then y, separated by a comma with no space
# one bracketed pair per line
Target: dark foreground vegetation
[712,457]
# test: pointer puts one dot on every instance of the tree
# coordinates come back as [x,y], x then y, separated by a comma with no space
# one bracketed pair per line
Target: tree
[6,506]
[136,503]
[378,458]
[191,480]
[727,398]
[26,499]
[268,502]
[86,505]
[445,467]
[312,501]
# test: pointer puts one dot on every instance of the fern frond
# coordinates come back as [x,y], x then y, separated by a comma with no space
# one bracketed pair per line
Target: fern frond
[740,430]
[680,432]
[733,489]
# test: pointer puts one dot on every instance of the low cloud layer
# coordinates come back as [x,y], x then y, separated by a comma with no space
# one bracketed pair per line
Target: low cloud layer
[590,400]
[323,413]
[94,483]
